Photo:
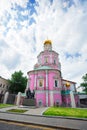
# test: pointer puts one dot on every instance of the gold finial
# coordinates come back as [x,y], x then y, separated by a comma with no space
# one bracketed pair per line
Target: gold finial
[67,84]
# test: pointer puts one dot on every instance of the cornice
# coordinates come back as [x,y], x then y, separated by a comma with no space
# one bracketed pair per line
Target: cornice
[47,51]
[36,71]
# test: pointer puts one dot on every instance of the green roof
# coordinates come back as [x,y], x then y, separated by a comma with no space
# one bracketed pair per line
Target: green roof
[43,68]
[65,92]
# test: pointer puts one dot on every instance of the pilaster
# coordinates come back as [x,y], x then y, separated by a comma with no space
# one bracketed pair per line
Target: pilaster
[46,88]
[35,81]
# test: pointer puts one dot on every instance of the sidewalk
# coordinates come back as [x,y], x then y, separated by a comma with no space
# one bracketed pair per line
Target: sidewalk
[34,116]
[31,110]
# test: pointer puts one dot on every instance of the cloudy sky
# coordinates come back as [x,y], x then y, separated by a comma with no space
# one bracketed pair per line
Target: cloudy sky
[26,24]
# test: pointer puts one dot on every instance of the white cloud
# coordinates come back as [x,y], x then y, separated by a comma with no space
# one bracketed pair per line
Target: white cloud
[65,27]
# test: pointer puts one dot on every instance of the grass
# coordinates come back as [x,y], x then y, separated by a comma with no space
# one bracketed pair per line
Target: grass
[5,105]
[70,112]
[12,110]
[17,110]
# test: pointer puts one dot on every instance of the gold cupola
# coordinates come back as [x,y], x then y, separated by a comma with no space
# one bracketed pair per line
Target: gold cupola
[47,45]
[67,84]
[47,42]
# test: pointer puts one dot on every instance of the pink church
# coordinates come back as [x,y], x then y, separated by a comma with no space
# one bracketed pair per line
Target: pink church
[46,79]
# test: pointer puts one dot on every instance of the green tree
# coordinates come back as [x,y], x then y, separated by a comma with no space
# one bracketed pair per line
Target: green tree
[17,82]
[84,83]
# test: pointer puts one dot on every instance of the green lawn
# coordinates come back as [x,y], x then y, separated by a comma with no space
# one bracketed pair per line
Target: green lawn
[5,105]
[17,110]
[70,112]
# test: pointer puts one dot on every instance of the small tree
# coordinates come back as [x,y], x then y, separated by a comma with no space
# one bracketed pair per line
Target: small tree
[17,82]
[84,84]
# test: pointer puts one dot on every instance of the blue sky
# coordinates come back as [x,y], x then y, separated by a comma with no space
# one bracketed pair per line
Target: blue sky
[26,24]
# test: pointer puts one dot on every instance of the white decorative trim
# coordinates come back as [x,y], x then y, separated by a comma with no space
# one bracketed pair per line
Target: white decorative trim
[40,91]
[55,91]
[51,59]
[40,77]
[44,91]
[46,79]
[47,98]
[35,81]
[51,98]
[47,88]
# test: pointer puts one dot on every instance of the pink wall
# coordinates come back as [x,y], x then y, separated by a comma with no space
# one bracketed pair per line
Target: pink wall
[57,97]
[41,97]
[76,99]
[51,76]
[51,56]
[42,75]
[31,84]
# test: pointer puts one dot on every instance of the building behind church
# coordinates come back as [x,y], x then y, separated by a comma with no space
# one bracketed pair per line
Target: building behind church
[4,85]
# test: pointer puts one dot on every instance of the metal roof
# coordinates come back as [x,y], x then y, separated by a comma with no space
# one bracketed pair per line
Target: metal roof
[43,68]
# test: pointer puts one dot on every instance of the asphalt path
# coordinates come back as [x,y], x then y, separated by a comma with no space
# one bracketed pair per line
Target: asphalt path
[4,125]
[12,126]
[53,122]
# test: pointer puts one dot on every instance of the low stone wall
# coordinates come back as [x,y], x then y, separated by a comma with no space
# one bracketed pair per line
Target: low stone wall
[11,99]
[29,102]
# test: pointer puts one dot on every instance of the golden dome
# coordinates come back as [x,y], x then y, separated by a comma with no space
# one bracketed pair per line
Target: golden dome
[47,42]
[67,84]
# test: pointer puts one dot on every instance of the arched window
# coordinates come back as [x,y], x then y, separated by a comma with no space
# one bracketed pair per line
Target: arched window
[54,61]
[40,103]
[55,83]
[40,82]
[46,60]
[57,102]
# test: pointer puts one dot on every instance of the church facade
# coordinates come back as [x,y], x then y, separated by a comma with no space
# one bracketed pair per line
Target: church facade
[47,82]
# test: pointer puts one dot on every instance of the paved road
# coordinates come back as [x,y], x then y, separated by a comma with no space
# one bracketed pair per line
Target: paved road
[8,126]
[34,116]
[47,121]
[4,125]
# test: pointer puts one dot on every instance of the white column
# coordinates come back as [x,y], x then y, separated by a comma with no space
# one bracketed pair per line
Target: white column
[46,88]
[72,99]
[6,97]
[35,81]
[51,98]
[18,99]
[46,79]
